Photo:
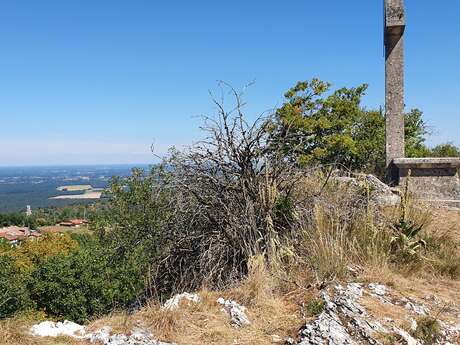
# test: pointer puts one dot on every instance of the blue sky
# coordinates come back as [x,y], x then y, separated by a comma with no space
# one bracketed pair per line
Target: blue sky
[97,81]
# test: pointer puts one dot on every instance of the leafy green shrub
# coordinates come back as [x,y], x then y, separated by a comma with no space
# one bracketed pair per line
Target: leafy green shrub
[13,293]
[87,282]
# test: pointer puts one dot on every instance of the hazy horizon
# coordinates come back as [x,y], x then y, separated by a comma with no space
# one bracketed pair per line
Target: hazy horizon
[77,165]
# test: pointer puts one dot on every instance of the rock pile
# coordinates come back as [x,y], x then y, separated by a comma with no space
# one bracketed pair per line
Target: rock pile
[138,337]
[105,336]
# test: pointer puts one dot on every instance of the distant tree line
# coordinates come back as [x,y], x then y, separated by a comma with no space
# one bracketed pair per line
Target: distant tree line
[50,215]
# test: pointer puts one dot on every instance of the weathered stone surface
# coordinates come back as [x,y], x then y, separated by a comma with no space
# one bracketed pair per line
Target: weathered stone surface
[345,321]
[394,83]
[416,308]
[378,290]
[431,178]
[394,13]
[380,193]
[428,163]
[236,312]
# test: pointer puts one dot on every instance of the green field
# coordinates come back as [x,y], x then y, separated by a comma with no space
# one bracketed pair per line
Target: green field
[75,188]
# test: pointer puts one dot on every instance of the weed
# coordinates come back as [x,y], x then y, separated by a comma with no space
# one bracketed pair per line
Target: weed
[315,307]
[405,242]
[428,330]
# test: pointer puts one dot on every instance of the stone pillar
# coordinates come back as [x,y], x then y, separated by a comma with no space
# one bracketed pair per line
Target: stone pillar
[394,84]
[431,179]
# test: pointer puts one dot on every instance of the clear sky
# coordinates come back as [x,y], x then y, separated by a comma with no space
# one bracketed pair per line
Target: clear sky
[97,81]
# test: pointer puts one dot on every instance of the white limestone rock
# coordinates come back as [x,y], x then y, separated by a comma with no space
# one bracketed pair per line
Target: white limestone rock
[174,302]
[378,289]
[138,337]
[329,327]
[418,309]
[236,312]
[58,329]
[103,336]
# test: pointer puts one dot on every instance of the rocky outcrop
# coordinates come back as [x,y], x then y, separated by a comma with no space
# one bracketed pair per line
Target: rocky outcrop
[344,320]
[380,193]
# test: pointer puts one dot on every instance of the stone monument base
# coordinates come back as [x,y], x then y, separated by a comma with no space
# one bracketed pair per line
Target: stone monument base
[431,179]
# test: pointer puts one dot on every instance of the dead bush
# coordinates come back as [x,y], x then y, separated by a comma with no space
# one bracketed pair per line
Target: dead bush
[232,194]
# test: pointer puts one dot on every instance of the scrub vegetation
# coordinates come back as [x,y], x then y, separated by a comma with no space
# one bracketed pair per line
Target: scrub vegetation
[255,210]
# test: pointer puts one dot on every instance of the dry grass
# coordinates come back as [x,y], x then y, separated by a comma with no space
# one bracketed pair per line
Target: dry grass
[446,218]
[205,323]
[15,331]
[343,229]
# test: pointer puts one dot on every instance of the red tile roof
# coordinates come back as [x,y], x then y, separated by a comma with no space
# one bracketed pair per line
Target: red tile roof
[74,222]
[13,233]
[78,221]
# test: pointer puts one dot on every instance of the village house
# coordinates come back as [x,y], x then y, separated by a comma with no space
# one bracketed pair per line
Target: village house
[15,234]
[74,223]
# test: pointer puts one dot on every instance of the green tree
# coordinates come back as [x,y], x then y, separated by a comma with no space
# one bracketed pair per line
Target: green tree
[332,127]
[445,150]
[137,211]
[13,293]
[321,126]
[415,134]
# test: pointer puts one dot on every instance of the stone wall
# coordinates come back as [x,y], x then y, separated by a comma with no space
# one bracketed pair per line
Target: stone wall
[431,178]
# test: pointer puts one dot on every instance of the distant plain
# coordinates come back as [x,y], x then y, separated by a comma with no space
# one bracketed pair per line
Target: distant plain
[38,186]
